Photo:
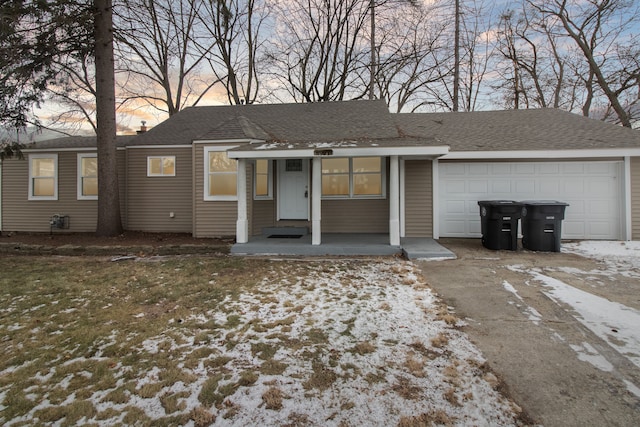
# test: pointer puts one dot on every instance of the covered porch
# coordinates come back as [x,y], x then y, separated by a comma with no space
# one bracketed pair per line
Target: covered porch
[386,240]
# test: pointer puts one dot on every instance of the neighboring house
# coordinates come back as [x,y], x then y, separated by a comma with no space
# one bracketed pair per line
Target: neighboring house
[337,167]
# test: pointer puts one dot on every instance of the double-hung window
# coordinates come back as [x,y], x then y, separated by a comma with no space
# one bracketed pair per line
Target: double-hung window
[161,166]
[358,177]
[263,180]
[43,177]
[221,174]
[87,176]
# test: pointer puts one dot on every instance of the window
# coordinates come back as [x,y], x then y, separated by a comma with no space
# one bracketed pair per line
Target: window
[43,177]
[353,177]
[221,174]
[263,181]
[87,177]
[161,166]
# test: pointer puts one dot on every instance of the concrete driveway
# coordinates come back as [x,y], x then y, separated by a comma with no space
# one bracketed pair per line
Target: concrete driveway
[556,368]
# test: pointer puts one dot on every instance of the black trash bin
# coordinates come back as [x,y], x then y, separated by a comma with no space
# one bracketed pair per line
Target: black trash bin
[499,223]
[542,225]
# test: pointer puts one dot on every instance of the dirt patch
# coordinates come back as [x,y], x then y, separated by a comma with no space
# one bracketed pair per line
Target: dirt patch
[128,238]
[129,242]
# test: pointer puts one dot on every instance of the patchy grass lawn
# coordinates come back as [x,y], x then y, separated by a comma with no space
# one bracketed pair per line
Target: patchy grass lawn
[234,341]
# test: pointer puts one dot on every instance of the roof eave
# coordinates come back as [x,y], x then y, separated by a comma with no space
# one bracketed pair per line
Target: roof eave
[542,154]
[408,151]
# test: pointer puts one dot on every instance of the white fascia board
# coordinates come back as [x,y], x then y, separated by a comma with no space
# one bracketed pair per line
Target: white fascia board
[341,152]
[389,151]
[272,154]
[51,150]
[227,141]
[542,154]
[158,146]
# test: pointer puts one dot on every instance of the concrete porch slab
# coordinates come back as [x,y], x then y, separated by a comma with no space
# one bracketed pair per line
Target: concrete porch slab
[342,245]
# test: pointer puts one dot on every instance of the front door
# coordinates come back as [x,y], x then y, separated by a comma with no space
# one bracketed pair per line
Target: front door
[293,189]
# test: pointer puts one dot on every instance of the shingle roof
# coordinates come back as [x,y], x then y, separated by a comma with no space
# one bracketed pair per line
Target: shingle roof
[536,129]
[279,122]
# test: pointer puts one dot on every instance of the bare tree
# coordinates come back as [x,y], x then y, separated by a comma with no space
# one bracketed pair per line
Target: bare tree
[158,62]
[319,52]
[599,28]
[238,28]
[410,52]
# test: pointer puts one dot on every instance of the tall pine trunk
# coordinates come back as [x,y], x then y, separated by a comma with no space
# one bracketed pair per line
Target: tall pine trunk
[109,221]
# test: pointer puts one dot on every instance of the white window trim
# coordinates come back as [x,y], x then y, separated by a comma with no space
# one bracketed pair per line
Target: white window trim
[79,175]
[383,184]
[55,177]
[269,195]
[207,150]
[154,175]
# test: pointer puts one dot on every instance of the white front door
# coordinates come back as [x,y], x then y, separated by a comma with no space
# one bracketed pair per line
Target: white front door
[293,189]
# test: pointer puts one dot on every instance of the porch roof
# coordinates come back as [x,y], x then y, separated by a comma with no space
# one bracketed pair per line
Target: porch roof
[403,146]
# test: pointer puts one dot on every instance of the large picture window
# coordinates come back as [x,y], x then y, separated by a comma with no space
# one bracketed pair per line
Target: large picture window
[221,174]
[353,177]
[263,179]
[43,177]
[87,176]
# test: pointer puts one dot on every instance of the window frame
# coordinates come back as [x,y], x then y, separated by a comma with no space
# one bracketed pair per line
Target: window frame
[269,195]
[155,175]
[207,173]
[54,157]
[80,176]
[351,174]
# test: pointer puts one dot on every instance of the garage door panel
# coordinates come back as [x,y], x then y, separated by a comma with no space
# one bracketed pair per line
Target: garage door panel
[501,186]
[592,189]
[525,187]
[478,187]
[479,169]
[455,207]
[454,187]
[549,186]
[573,229]
[525,168]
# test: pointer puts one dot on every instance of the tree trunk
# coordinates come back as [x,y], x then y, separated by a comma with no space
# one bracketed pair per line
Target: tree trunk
[109,221]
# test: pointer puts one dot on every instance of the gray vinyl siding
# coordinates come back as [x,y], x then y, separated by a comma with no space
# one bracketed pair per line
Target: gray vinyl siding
[355,216]
[150,200]
[418,198]
[211,218]
[21,214]
[635,198]
[121,157]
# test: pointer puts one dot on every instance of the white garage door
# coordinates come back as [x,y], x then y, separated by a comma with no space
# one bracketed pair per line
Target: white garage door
[592,189]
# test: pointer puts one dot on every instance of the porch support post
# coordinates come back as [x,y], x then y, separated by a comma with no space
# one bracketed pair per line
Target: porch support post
[394,201]
[242,225]
[316,194]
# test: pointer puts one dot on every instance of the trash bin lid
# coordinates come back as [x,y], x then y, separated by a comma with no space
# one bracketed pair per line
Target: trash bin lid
[498,202]
[544,202]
